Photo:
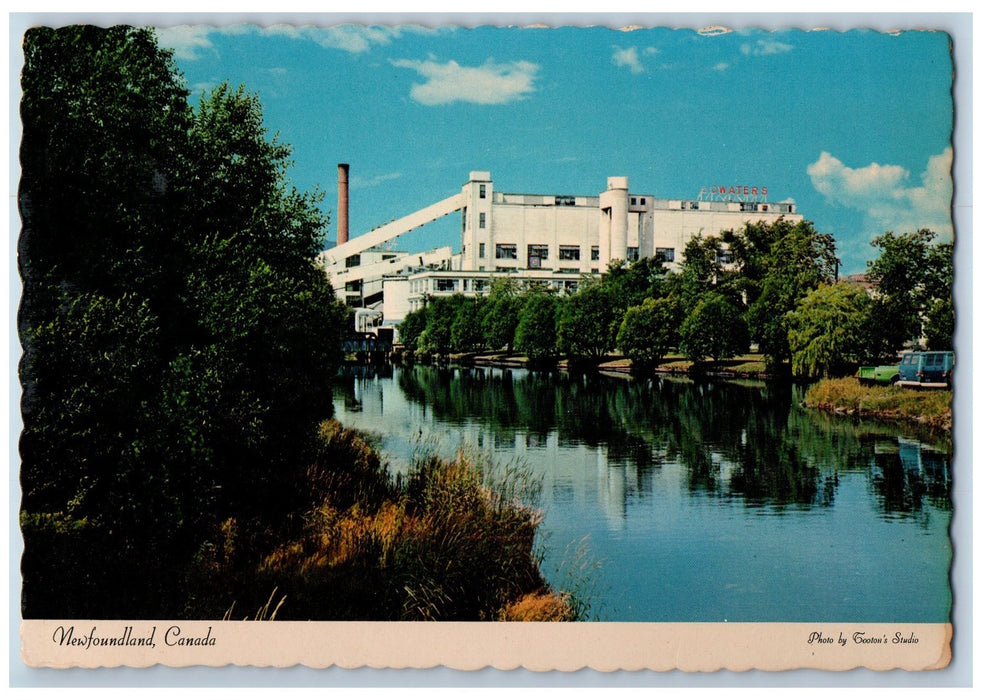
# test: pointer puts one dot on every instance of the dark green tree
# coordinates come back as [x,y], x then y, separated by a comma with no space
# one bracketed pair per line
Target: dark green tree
[939,325]
[466,331]
[504,309]
[629,285]
[648,332]
[440,315]
[913,278]
[701,271]
[411,328]
[104,117]
[178,340]
[938,301]
[587,324]
[258,302]
[536,332]
[715,328]
[781,263]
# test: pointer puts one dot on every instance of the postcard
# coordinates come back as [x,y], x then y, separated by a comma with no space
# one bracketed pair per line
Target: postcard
[557,347]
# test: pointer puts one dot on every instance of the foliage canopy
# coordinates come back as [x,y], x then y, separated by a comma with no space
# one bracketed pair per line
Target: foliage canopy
[178,340]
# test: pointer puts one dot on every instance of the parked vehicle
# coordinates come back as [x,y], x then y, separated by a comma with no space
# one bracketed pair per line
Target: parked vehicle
[927,369]
[884,374]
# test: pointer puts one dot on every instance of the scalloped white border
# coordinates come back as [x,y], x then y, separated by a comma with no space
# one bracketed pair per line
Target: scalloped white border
[958,673]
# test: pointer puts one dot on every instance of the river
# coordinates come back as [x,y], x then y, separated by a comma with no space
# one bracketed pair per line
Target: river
[666,500]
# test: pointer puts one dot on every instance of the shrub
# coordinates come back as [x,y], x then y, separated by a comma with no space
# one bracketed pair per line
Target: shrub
[538,607]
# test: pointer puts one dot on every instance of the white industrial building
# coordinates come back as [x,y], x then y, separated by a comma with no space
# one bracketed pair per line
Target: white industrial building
[553,239]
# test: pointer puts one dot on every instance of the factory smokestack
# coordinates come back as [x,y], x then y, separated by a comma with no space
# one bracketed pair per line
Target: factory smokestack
[342,203]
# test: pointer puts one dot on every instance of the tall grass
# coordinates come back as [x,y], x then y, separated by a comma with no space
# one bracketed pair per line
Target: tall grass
[453,540]
[929,407]
[266,613]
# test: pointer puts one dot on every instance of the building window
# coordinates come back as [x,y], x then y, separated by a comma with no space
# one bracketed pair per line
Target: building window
[352,261]
[481,220]
[565,201]
[480,285]
[353,286]
[666,254]
[480,250]
[634,200]
[443,285]
[632,254]
[463,219]
[594,252]
[506,251]
[537,254]
[482,191]
[724,257]
[569,270]
[642,201]
[569,252]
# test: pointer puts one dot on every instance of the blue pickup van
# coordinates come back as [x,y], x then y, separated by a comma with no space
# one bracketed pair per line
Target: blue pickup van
[927,368]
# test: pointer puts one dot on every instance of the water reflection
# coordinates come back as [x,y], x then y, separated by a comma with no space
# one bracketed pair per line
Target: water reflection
[906,474]
[747,442]
[706,501]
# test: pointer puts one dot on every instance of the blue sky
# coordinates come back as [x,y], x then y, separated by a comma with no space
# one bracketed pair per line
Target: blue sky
[854,126]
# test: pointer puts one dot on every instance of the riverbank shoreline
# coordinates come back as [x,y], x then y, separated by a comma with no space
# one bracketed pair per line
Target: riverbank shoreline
[930,408]
[750,366]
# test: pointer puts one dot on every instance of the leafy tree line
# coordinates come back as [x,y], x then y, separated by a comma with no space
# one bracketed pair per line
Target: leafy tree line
[178,341]
[771,285]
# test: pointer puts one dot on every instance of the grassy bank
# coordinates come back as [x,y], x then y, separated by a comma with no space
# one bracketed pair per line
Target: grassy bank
[927,407]
[451,541]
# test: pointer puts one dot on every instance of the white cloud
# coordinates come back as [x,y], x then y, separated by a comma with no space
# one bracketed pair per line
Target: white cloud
[491,83]
[202,88]
[189,42]
[629,58]
[765,47]
[358,182]
[721,66]
[355,38]
[887,196]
